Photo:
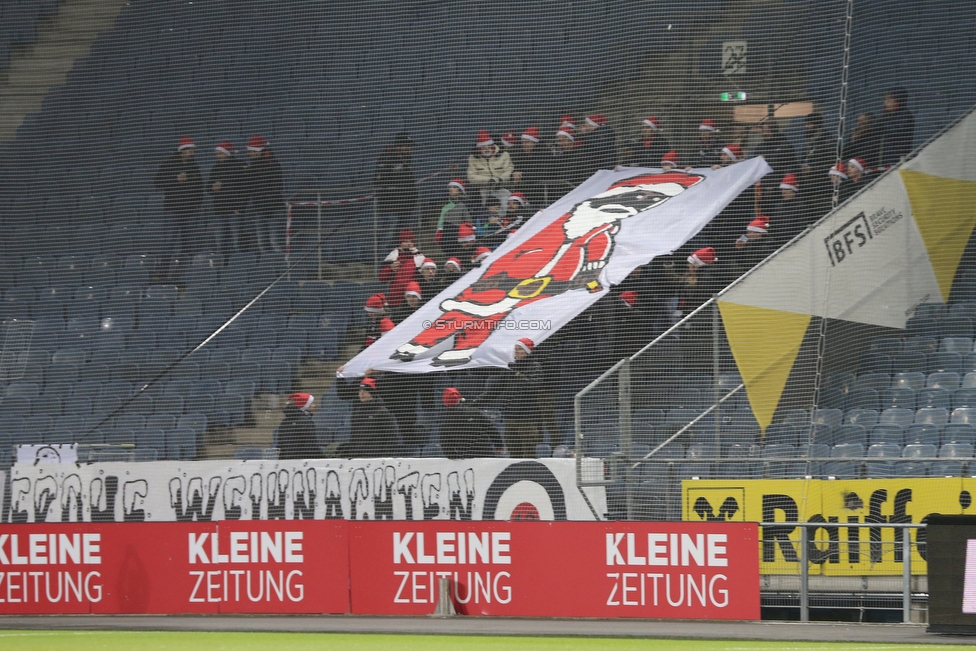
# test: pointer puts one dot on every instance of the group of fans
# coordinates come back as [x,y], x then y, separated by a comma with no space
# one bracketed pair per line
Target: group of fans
[509,177]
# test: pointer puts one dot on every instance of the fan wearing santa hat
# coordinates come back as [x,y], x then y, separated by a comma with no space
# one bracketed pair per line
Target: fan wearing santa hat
[651,147]
[429,282]
[789,214]
[182,186]
[489,168]
[709,148]
[265,185]
[373,431]
[412,300]
[400,267]
[529,165]
[295,436]
[599,144]
[396,190]
[466,432]
[731,153]
[517,393]
[566,165]
[376,311]
[226,187]
[453,214]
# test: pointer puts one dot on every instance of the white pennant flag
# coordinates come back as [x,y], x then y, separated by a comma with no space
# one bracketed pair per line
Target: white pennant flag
[562,261]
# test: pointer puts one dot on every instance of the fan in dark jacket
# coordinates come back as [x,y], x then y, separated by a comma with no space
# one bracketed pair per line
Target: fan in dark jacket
[266,189]
[465,431]
[226,186]
[295,436]
[518,390]
[599,151]
[396,190]
[182,185]
[652,146]
[864,142]
[373,430]
[529,163]
[897,130]
[819,153]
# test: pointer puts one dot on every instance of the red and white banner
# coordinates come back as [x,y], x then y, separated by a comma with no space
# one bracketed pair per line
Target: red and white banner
[562,261]
[526,569]
[164,568]
[532,569]
[314,489]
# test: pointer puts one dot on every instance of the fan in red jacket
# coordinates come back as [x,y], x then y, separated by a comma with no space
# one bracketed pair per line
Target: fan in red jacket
[400,267]
[566,255]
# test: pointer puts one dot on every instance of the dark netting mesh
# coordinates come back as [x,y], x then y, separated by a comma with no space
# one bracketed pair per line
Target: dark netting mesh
[216,213]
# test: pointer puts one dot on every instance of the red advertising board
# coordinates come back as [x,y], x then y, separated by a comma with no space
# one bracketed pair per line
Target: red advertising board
[565,569]
[530,569]
[208,567]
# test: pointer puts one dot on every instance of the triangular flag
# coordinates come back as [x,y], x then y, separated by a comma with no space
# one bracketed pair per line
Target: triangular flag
[764,344]
[943,211]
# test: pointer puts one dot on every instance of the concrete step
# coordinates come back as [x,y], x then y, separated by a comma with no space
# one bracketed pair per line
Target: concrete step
[62,39]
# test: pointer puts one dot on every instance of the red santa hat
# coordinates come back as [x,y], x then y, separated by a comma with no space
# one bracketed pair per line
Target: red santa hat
[759,225]
[702,257]
[789,182]
[452,262]
[376,304]
[567,121]
[839,170]
[413,289]
[484,138]
[368,383]
[256,143]
[670,157]
[225,147]
[596,120]
[517,196]
[466,233]
[857,163]
[406,235]
[708,125]
[629,298]
[451,397]
[429,263]
[185,143]
[566,131]
[509,139]
[652,122]
[457,183]
[733,151]
[525,344]
[386,324]
[301,400]
[531,134]
[480,254]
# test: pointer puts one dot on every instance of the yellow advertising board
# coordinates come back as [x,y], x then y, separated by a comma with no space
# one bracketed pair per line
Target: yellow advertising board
[873,549]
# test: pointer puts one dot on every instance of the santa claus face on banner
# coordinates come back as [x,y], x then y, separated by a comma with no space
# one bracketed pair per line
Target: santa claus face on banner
[626,199]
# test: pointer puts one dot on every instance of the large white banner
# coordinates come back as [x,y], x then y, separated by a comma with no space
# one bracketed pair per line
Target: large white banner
[357,489]
[562,261]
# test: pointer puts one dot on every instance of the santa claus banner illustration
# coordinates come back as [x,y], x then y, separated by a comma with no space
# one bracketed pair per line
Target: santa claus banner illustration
[562,261]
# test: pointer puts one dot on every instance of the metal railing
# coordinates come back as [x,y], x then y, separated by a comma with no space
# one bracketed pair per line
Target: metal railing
[804,559]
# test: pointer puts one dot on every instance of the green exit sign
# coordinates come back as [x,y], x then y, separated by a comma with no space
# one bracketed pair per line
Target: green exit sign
[739,96]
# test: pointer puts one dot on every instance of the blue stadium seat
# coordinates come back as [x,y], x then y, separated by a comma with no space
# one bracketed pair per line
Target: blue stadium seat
[933,397]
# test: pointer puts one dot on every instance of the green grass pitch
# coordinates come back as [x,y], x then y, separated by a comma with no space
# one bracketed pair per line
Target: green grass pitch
[191,641]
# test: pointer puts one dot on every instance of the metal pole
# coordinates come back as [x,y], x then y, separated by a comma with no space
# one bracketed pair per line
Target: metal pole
[626,433]
[376,246]
[804,578]
[318,201]
[906,576]
[715,371]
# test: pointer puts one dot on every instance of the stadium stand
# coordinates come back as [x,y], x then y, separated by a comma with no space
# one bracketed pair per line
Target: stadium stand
[112,320]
